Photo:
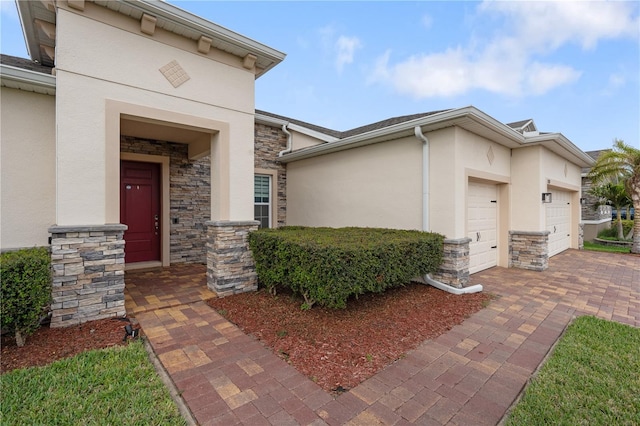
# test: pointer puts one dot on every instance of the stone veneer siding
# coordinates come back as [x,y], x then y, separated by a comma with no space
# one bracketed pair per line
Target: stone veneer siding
[88,273]
[230,265]
[454,270]
[269,141]
[190,196]
[529,250]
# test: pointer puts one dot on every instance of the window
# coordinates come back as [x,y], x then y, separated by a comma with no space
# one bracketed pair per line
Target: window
[262,200]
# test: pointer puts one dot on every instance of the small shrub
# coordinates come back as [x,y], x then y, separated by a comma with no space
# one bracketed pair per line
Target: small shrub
[327,265]
[25,290]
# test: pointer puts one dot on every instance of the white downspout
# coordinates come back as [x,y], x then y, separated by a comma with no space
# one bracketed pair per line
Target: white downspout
[425,218]
[425,177]
[289,141]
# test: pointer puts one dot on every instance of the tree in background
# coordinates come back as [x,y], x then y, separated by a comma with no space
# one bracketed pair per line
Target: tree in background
[622,164]
[615,195]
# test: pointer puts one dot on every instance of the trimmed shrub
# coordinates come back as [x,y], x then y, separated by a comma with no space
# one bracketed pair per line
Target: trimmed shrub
[25,290]
[328,265]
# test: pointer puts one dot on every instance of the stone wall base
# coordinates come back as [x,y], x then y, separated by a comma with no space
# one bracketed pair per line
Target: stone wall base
[454,270]
[529,250]
[88,273]
[230,265]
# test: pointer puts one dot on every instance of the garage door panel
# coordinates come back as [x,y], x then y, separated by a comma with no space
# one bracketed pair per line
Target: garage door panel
[482,226]
[558,217]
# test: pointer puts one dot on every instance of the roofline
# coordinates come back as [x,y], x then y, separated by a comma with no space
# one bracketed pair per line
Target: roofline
[28,77]
[565,143]
[172,13]
[268,120]
[450,117]
[441,120]
[190,20]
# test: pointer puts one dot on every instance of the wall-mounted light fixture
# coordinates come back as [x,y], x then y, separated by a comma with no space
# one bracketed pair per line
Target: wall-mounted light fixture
[546,197]
[583,201]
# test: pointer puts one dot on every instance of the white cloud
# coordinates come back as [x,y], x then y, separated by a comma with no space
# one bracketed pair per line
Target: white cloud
[346,48]
[508,62]
[547,25]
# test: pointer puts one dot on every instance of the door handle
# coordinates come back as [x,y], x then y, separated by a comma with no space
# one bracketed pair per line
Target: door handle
[477,236]
[554,229]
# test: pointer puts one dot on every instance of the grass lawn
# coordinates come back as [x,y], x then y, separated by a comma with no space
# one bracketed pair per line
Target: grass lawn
[600,247]
[117,386]
[592,378]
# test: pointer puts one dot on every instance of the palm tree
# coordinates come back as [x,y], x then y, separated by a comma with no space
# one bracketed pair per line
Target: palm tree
[622,163]
[615,195]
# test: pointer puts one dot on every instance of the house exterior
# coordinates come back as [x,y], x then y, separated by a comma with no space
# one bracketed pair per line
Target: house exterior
[156,155]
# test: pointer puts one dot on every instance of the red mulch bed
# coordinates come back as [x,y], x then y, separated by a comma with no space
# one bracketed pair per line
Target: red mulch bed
[338,349]
[50,344]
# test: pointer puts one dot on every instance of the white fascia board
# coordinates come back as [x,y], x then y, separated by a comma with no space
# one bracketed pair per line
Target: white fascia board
[405,129]
[581,158]
[272,121]
[313,133]
[29,30]
[196,23]
[28,78]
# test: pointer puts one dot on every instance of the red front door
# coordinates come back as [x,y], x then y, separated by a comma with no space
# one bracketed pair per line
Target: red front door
[140,210]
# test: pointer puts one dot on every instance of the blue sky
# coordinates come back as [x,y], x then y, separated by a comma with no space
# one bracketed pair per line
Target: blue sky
[574,67]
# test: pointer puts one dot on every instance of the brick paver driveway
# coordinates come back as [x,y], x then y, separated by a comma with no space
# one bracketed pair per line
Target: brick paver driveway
[469,376]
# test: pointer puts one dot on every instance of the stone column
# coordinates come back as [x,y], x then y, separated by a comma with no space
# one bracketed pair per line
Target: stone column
[454,270]
[529,250]
[88,273]
[581,236]
[230,265]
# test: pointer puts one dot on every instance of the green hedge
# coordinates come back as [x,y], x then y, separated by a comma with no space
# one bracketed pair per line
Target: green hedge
[328,265]
[25,290]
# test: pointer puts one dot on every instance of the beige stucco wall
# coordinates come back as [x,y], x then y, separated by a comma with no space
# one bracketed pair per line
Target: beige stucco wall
[528,185]
[300,140]
[455,156]
[27,164]
[91,73]
[375,186]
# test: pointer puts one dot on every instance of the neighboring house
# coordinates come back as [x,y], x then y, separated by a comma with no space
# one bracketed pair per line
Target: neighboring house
[159,146]
[595,217]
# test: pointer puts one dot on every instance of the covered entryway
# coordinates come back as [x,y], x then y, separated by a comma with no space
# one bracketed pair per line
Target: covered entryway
[558,220]
[482,226]
[140,210]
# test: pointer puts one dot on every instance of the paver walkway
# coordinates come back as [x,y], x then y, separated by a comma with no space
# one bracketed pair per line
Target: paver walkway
[468,376]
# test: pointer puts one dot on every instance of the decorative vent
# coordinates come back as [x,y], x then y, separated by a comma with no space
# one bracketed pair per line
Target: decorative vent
[175,73]
[566,170]
[490,155]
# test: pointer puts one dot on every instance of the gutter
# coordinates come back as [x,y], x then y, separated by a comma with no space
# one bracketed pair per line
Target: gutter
[32,79]
[441,120]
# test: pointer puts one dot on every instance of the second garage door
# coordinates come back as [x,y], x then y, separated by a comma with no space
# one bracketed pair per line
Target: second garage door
[558,217]
[482,225]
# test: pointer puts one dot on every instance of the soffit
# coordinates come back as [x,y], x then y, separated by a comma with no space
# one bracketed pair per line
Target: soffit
[169,18]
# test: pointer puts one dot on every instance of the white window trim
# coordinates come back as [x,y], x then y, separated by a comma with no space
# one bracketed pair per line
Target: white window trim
[273,194]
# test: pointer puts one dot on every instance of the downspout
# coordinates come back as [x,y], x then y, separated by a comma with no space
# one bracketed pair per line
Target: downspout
[425,177]
[289,141]
[425,218]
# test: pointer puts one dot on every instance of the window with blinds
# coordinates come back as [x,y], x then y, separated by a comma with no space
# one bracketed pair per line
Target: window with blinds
[262,200]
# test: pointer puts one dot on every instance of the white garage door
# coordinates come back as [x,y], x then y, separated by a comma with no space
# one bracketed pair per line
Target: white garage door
[559,222]
[482,225]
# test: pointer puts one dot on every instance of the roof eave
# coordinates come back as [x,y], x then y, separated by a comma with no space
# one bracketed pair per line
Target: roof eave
[558,140]
[27,79]
[273,121]
[182,17]
[444,119]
